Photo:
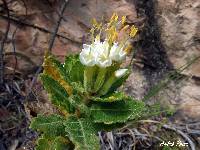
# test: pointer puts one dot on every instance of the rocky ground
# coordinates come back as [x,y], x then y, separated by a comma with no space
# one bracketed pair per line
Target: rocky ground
[169,37]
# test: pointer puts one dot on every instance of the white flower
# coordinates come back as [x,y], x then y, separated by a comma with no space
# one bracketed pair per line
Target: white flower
[117,53]
[102,58]
[87,56]
[119,73]
[98,54]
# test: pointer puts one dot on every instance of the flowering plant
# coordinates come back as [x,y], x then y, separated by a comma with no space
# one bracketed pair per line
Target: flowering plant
[84,89]
[101,56]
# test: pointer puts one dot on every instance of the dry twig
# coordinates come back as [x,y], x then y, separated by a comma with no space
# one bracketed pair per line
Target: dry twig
[175,129]
[3,42]
[63,7]
[28,24]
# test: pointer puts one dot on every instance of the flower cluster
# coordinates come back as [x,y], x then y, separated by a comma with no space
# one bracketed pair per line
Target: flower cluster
[109,47]
[100,54]
[103,54]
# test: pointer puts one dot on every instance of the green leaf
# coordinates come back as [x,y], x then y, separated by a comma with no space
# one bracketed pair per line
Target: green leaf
[82,133]
[57,93]
[117,112]
[42,144]
[60,97]
[78,87]
[51,126]
[58,143]
[55,70]
[52,62]
[117,96]
[73,68]
[77,102]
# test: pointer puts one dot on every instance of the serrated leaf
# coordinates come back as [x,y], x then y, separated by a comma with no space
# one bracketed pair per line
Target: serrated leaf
[51,126]
[57,143]
[117,112]
[55,70]
[60,143]
[42,144]
[73,68]
[57,93]
[117,96]
[82,133]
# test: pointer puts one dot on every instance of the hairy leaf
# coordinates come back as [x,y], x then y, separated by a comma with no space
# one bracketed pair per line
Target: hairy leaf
[78,87]
[51,126]
[77,102]
[73,68]
[42,144]
[82,133]
[117,112]
[55,70]
[117,96]
[57,143]
[57,93]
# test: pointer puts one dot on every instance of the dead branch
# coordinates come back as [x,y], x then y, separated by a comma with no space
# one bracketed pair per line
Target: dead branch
[3,42]
[28,24]
[22,56]
[184,135]
[14,51]
[175,129]
[57,26]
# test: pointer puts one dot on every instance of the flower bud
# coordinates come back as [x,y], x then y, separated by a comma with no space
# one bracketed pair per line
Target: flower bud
[119,73]
[111,80]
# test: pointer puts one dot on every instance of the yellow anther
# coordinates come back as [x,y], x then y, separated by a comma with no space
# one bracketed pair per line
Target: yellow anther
[123,20]
[133,31]
[114,36]
[114,17]
[113,20]
[125,28]
[114,30]
[128,48]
